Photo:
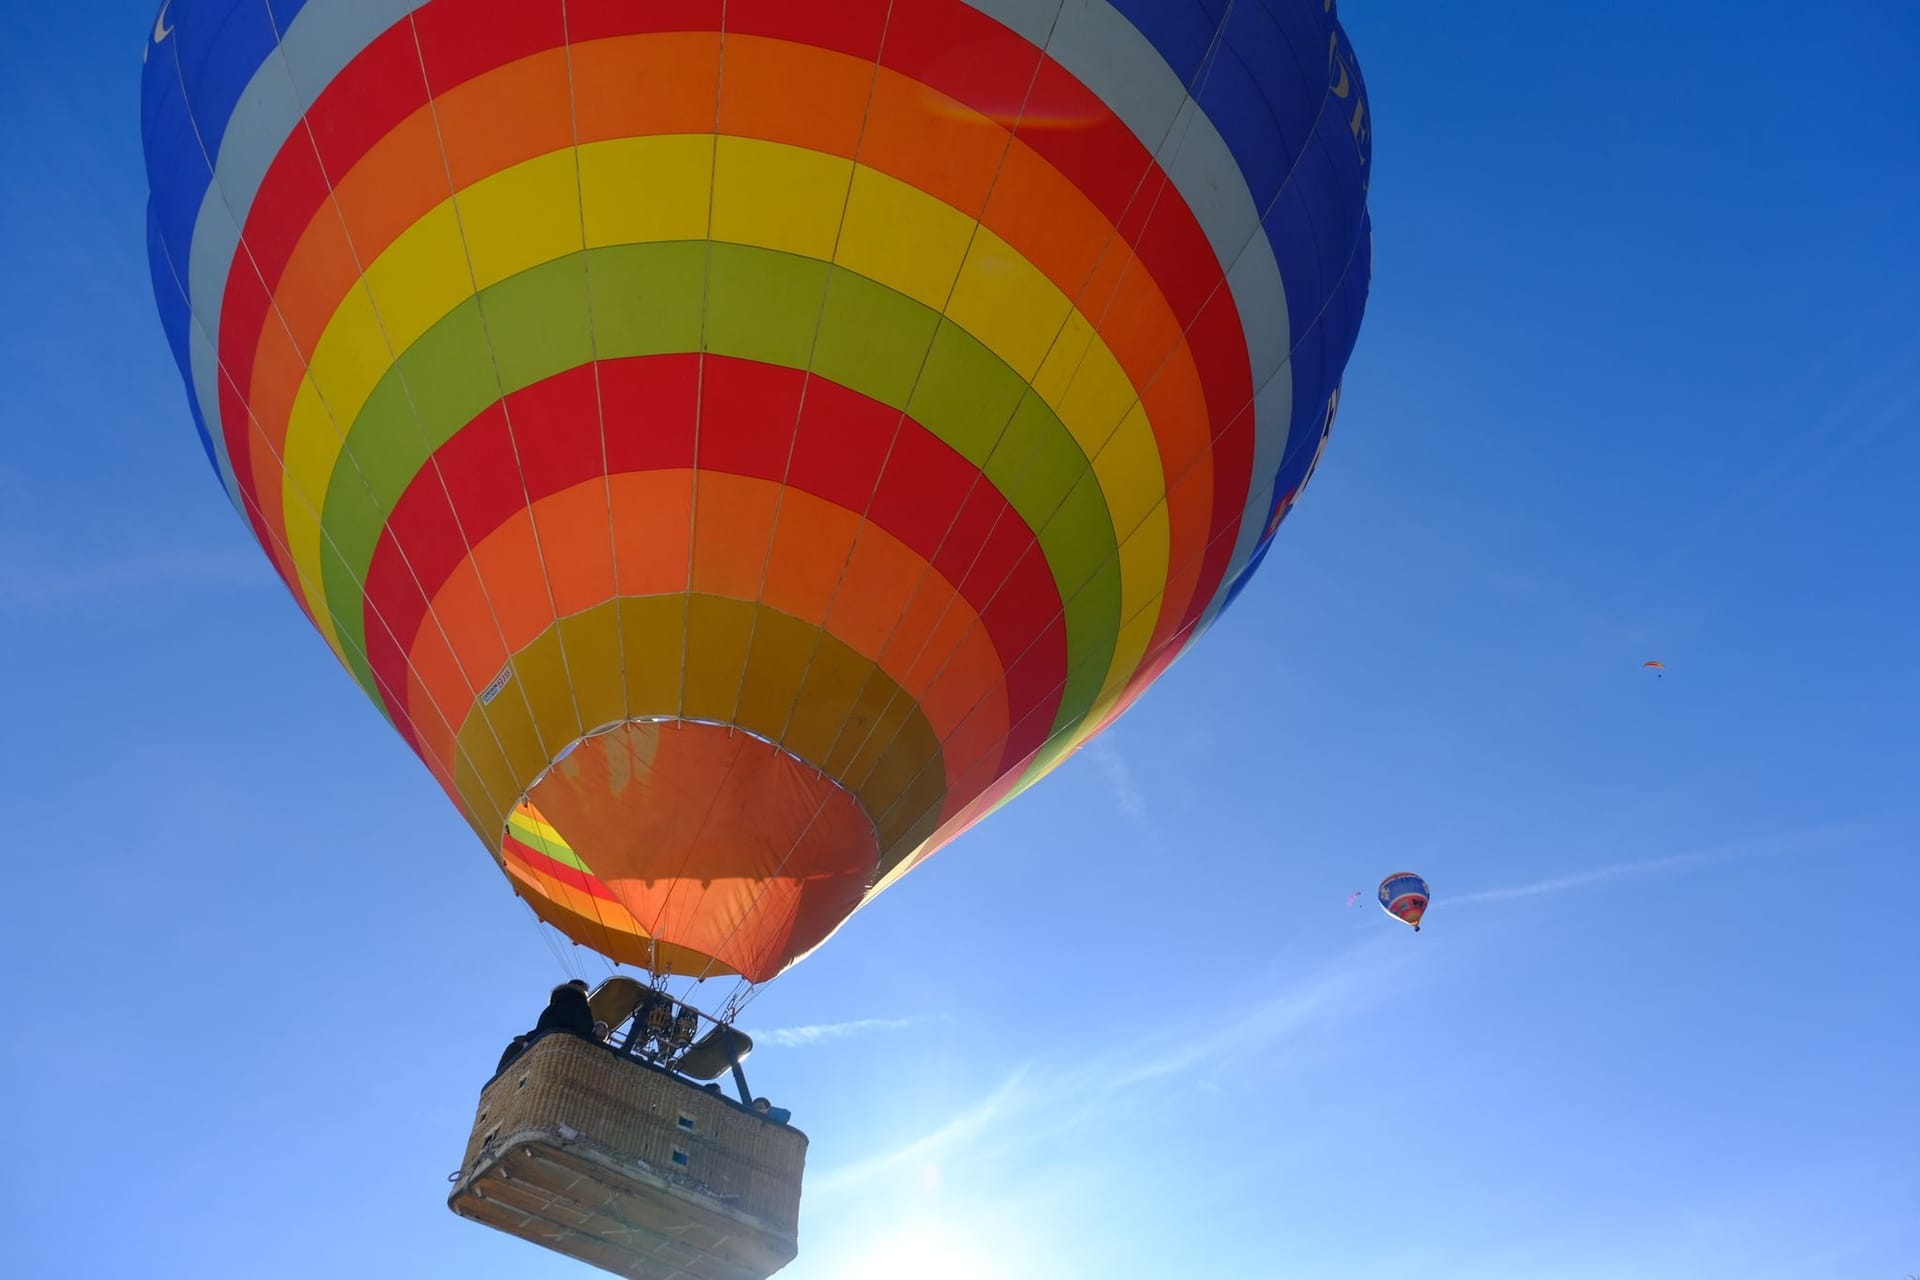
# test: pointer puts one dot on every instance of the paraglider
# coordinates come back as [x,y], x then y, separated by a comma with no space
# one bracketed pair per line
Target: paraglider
[738,462]
[1404,896]
[1354,897]
[1658,668]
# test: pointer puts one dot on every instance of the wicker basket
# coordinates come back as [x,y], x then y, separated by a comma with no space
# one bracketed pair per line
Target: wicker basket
[615,1162]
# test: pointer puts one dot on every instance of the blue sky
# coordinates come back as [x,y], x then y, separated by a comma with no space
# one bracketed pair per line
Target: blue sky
[1639,379]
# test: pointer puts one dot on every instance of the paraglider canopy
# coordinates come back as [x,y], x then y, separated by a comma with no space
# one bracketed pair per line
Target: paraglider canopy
[1404,895]
[1658,668]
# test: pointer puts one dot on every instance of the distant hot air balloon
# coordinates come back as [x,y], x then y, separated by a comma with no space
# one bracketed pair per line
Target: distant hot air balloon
[740,445]
[1404,895]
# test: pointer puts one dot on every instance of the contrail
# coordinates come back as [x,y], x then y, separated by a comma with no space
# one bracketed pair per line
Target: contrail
[1740,851]
[800,1037]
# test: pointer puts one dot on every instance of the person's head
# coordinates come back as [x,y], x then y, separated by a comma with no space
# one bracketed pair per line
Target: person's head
[762,1106]
[566,989]
[601,1030]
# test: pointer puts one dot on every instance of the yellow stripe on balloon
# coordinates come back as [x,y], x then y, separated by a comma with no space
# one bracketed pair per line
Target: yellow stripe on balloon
[537,831]
[512,225]
[647,190]
[780,197]
[420,277]
[1002,294]
[876,242]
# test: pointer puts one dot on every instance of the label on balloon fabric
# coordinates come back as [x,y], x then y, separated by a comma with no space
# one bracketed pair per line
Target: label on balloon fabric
[492,691]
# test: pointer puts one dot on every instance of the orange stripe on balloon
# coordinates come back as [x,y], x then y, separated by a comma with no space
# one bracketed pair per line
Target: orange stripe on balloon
[476,133]
[671,91]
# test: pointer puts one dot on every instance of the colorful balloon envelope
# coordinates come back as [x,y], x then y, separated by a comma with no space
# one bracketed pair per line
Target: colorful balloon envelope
[739,445]
[1404,895]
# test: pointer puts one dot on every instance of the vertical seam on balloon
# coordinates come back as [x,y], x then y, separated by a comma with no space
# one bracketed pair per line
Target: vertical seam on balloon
[1120,540]
[887,458]
[832,267]
[593,347]
[493,359]
[319,510]
[699,412]
[699,377]
[799,413]
[700,362]
[600,411]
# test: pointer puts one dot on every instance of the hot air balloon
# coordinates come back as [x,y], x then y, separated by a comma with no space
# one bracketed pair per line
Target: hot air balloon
[739,445]
[1404,896]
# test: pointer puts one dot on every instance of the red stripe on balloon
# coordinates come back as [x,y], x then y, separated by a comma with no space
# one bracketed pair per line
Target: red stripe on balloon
[546,864]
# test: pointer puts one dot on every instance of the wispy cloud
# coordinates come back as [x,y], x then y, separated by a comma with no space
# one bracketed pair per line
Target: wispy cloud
[1012,1095]
[1738,851]
[800,1037]
[1041,1099]
[29,579]
[1126,793]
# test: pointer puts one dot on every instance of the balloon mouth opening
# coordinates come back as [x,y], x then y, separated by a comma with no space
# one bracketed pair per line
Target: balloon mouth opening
[690,847]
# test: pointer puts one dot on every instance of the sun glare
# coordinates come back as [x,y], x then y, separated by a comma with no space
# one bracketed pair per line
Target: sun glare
[927,1251]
